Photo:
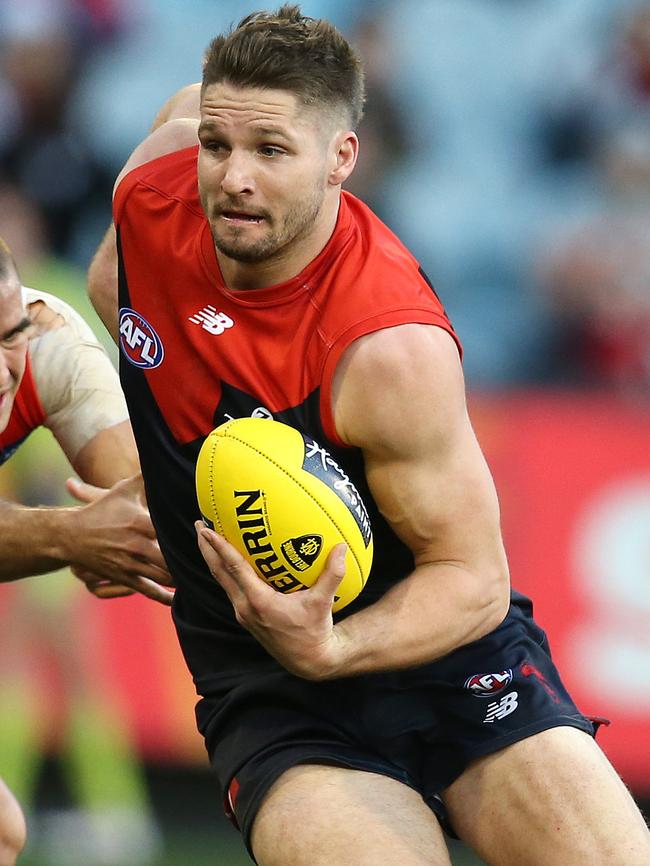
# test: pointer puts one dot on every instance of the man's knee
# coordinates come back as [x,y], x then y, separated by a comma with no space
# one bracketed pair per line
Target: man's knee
[13,832]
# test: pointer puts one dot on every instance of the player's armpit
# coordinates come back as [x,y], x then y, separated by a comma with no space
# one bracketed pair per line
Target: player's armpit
[399,396]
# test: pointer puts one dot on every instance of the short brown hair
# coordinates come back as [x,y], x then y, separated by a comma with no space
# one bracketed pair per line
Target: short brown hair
[286,50]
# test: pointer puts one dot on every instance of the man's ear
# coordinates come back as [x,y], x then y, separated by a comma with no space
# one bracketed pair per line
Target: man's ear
[346,151]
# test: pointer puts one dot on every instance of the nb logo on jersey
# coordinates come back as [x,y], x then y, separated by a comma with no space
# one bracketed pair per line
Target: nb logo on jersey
[211,320]
[500,709]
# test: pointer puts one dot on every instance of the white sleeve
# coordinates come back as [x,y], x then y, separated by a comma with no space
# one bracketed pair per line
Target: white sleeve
[77,384]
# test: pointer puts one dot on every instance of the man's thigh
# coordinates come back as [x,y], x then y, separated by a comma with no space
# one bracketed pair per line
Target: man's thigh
[552,799]
[317,815]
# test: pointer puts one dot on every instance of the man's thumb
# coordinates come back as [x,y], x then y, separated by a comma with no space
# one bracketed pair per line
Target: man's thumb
[82,491]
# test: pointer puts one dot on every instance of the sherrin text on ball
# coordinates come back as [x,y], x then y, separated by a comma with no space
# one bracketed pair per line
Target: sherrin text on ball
[283,501]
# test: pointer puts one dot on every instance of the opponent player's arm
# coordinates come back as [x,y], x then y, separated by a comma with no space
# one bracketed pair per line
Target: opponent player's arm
[110,542]
[173,129]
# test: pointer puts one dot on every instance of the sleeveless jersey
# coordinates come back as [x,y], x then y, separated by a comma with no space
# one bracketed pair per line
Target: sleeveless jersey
[193,354]
[27,414]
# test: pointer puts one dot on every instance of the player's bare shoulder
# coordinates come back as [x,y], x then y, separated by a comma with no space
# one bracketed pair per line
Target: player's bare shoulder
[173,135]
[407,376]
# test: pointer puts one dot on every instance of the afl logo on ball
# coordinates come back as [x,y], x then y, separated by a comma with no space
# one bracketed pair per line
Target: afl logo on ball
[487,685]
[140,344]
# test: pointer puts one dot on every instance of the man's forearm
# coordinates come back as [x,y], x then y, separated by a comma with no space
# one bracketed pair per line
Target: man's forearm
[435,610]
[33,540]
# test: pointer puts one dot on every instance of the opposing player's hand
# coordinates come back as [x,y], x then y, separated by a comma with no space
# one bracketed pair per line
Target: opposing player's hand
[112,545]
[100,586]
[296,628]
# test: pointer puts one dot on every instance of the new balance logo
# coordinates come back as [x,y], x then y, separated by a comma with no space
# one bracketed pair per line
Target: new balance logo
[500,709]
[211,320]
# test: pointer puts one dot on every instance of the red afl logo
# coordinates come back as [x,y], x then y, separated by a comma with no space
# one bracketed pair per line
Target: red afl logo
[486,685]
[139,343]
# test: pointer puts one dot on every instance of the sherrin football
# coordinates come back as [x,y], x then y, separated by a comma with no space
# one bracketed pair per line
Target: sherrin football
[281,499]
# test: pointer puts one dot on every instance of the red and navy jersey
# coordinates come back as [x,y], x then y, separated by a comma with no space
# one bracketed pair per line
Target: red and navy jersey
[27,414]
[193,354]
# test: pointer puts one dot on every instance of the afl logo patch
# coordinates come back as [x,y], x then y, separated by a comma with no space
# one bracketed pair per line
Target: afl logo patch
[486,685]
[140,344]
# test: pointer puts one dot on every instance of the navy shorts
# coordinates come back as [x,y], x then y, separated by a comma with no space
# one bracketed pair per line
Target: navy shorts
[421,726]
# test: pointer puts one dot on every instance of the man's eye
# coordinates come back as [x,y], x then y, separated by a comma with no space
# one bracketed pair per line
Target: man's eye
[213,145]
[14,340]
[270,150]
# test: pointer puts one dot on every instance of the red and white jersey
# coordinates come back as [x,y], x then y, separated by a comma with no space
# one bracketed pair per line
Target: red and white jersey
[69,385]
[193,354]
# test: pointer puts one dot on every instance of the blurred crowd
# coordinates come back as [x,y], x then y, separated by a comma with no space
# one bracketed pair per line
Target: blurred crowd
[506,141]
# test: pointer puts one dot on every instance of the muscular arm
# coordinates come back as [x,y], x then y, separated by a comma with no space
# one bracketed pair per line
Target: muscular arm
[399,396]
[173,129]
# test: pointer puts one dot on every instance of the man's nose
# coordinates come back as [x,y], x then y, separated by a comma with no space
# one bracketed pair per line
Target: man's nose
[238,175]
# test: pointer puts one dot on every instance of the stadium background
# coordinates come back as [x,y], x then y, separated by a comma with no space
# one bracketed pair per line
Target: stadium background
[508,143]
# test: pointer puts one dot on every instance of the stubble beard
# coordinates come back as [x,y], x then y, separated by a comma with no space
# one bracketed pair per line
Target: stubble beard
[297,225]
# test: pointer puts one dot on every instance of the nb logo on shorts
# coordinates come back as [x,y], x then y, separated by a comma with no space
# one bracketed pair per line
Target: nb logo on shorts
[211,320]
[500,709]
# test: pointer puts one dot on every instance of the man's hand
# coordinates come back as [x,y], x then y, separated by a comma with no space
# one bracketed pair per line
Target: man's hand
[112,545]
[296,628]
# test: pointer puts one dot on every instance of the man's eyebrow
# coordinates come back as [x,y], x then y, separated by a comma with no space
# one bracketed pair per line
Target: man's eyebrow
[272,130]
[207,126]
[17,329]
[268,129]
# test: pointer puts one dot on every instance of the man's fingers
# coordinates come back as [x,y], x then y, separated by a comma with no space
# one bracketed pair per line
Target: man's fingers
[135,485]
[82,491]
[333,573]
[110,590]
[145,568]
[104,587]
[151,589]
[227,565]
[140,585]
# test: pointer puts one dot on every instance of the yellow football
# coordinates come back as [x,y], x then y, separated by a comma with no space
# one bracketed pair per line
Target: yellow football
[282,500]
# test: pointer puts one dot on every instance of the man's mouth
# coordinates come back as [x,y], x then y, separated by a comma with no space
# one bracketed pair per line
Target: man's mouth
[236,216]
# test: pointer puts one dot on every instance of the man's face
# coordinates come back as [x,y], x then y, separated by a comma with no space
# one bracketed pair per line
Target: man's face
[262,171]
[15,328]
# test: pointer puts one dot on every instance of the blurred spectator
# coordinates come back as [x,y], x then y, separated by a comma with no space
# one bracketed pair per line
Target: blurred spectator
[24,228]
[605,91]
[595,275]
[597,280]
[44,45]
[383,131]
